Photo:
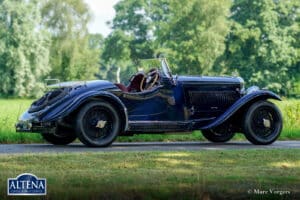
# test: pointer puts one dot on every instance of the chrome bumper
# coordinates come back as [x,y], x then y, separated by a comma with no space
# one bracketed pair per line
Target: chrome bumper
[29,123]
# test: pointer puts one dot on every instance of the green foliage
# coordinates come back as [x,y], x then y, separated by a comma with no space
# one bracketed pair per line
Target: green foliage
[129,41]
[134,18]
[116,54]
[51,43]
[24,52]
[194,34]
[13,108]
[291,120]
[258,40]
[72,57]
[263,45]
[191,32]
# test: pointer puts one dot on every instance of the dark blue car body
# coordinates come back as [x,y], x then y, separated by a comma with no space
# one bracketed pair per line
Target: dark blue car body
[174,104]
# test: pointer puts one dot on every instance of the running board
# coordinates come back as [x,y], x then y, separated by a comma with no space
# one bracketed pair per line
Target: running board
[166,126]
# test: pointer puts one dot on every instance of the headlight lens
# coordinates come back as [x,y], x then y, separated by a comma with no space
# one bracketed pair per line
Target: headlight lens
[252,89]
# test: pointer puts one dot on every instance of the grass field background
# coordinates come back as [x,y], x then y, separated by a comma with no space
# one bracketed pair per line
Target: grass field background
[230,174]
[11,109]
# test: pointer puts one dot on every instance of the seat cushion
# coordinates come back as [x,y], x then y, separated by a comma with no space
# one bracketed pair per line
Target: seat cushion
[121,87]
[135,82]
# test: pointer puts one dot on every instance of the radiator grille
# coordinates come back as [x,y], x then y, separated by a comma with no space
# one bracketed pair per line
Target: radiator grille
[213,99]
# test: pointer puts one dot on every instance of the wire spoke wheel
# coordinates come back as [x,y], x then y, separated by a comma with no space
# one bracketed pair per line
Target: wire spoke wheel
[92,119]
[98,124]
[263,123]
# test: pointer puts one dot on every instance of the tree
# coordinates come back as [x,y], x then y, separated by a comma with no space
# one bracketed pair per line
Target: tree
[24,50]
[262,45]
[190,32]
[131,39]
[116,55]
[135,20]
[195,33]
[71,54]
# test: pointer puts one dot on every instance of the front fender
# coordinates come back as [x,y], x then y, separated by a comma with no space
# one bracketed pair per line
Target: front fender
[242,102]
[70,105]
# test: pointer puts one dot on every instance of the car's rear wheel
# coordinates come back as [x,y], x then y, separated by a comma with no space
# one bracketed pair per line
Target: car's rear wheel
[219,134]
[98,124]
[262,123]
[62,136]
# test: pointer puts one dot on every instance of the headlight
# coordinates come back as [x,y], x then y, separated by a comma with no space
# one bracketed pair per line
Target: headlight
[252,89]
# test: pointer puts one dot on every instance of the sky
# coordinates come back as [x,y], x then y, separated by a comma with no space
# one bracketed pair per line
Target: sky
[102,11]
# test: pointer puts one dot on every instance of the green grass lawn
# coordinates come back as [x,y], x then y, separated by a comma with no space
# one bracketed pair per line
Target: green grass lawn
[229,174]
[11,109]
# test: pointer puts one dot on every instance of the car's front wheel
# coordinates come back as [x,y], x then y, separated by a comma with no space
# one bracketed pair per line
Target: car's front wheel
[98,124]
[262,123]
[62,136]
[219,134]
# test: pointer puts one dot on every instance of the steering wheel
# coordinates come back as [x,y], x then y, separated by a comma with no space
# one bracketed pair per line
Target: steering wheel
[149,81]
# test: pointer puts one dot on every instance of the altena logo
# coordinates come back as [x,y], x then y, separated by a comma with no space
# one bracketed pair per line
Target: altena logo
[26,184]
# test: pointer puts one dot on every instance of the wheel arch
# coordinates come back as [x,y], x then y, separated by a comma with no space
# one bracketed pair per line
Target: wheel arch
[241,105]
[116,103]
[76,103]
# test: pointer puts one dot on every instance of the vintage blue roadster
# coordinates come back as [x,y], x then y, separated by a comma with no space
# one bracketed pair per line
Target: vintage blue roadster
[98,111]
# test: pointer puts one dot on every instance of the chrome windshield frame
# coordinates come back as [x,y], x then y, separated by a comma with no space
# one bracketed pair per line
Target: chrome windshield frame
[159,63]
[165,68]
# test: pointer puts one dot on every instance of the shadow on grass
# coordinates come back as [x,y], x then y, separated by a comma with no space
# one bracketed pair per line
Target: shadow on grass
[161,175]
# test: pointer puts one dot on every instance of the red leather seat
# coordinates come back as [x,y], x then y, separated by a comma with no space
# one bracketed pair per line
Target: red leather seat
[121,87]
[134,85]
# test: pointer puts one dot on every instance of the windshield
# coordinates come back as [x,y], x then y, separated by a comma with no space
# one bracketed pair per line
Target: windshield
[165,68]
[160,63]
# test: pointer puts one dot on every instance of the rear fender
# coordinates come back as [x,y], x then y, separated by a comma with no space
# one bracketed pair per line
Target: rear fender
[73,104]
[243,102]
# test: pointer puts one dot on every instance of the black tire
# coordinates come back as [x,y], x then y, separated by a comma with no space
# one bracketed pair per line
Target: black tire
[88,120]
[62,136]
[219,134]
[262,123]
